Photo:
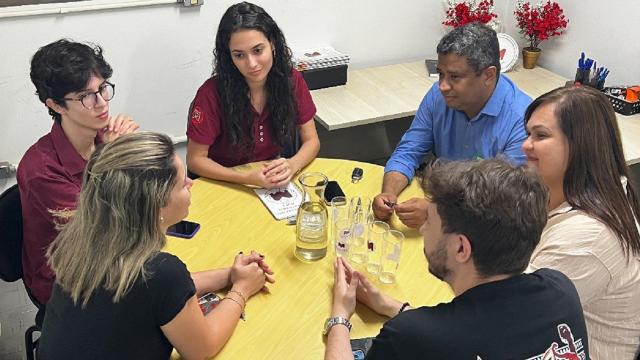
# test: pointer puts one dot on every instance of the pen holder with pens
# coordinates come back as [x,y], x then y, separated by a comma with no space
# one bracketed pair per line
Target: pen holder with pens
[584,77]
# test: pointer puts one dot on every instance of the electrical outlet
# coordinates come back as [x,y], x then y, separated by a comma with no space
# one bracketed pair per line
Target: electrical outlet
[191,2]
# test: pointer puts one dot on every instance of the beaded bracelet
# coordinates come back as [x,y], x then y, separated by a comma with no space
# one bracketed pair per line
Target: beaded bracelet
[242,314]
[244,299]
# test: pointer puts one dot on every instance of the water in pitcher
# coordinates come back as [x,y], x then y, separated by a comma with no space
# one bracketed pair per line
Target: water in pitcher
[311,241]
[311,222]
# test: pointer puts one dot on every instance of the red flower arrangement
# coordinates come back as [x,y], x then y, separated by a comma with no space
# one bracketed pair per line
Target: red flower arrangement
[540,22]
[469,11]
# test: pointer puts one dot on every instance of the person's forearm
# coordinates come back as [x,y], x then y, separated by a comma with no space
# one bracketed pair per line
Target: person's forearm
[307,152]
[338,344]
[210,280]
[223,320]
[394,182]
[208,168]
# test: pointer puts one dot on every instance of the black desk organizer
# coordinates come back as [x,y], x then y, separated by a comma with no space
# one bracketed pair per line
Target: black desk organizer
[622,106]
[325,77]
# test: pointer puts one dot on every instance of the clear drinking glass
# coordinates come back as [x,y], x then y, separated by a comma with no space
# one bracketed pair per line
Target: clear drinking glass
[340,225]
[360,207]
[342,236]
[311,222]
[375,240]
[391,249]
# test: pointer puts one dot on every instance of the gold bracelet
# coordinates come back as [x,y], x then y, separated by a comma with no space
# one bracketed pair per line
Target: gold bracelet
[242,315]
[244,299]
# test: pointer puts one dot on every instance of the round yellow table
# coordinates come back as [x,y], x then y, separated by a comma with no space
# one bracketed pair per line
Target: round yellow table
[287,323]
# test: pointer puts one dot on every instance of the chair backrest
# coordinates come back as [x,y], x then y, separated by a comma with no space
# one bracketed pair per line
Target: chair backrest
[10,235]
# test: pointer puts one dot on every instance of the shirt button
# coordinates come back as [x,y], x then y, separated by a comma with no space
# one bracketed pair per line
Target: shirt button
[261,139]
[260,127]
[261,133]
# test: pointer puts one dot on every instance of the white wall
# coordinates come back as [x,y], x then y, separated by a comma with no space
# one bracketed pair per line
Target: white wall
[161,54]
[605,30]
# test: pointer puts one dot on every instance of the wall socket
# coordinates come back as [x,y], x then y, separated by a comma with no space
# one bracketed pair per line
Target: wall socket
[191,2]
[7,170]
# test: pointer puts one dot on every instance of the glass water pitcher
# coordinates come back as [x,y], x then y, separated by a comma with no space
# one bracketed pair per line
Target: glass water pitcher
[311,222]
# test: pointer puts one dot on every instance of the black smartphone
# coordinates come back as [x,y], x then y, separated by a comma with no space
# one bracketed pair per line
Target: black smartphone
[332,190]
[184,229]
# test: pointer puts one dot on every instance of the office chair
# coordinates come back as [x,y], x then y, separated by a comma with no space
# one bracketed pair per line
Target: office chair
[11,256]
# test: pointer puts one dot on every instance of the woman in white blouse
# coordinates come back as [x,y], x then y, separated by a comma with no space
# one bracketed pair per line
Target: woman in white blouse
[592,233]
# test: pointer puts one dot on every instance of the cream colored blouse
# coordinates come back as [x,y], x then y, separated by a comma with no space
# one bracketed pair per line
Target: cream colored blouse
[608,283]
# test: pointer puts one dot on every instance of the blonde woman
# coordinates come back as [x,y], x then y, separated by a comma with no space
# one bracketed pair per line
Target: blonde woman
[117,296]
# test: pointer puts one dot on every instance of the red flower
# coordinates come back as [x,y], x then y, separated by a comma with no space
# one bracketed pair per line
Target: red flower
[469,11]
[541,22]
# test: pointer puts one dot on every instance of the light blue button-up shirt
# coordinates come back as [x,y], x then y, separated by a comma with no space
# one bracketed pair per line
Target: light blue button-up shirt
[497,129]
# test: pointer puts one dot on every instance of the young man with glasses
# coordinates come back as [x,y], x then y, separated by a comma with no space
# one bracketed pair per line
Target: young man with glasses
[71,79]
[471,112]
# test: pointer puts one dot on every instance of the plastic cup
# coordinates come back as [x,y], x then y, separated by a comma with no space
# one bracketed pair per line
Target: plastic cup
[391,250]
[360,207]
[377,233]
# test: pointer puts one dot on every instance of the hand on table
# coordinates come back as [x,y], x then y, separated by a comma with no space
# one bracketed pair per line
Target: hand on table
[257,177]
[344,291]
[370,295]
[250,273]
[412,212]
[118,125]
[383,205]
[278,172]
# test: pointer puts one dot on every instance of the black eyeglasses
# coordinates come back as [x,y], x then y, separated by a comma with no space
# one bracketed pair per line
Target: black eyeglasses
[89,100]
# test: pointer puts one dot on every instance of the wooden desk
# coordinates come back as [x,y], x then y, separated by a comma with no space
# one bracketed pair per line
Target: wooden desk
[389,92]
[287,324]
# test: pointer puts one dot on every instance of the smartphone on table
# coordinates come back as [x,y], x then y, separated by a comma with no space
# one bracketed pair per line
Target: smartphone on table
[184,229]
[332,190]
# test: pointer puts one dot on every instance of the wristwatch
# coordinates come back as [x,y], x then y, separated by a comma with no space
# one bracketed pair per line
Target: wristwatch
[336,320]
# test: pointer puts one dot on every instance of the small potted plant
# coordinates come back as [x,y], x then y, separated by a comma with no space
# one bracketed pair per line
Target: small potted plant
[468,11]
[538,23]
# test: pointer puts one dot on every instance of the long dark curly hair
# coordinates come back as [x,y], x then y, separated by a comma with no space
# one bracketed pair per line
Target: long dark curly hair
[233,90]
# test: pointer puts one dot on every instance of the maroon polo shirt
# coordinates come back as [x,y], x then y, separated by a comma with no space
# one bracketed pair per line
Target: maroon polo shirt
[205,124]
[49,178]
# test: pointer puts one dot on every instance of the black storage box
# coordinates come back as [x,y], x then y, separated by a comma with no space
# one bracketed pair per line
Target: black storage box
[325,77]
[624,107]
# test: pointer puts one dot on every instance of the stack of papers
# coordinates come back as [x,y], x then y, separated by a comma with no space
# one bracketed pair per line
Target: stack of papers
[319,58]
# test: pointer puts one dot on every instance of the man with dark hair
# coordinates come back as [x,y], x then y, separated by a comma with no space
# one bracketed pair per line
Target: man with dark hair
[484,218]
[72,80]
[471,112]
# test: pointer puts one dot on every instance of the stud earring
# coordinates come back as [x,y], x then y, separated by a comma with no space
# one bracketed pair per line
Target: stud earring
[161,219]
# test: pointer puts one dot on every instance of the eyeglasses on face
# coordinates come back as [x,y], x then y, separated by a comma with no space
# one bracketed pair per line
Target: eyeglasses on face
[107,90]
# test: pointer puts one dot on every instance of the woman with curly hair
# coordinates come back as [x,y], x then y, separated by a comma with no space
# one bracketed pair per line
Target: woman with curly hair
[592,233]
[253,108]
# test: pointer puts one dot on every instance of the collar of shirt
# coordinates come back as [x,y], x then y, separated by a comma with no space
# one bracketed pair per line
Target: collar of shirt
[496,101]
[561,209]
[69,157]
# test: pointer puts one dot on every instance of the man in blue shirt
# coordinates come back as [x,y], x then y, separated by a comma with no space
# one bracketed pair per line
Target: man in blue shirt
[472,112]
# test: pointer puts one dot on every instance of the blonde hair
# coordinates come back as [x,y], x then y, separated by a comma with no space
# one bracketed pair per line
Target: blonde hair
[116,226]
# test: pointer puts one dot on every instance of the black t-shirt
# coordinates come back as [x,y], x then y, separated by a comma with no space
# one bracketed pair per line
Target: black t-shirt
[522,317]
[128,329]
